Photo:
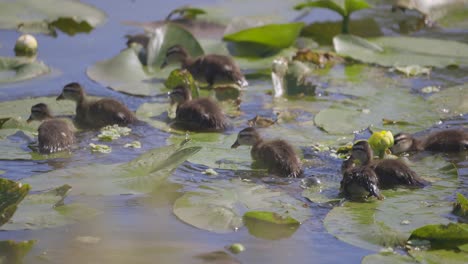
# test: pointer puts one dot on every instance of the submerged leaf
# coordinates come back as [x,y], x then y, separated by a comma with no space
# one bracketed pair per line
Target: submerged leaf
[220,206]
[460,207]
[402,51]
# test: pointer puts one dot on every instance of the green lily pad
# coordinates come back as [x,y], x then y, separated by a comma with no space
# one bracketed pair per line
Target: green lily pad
[402,51]
[17,69]
[219,206]
[48,15]
[270,217]
[13,251]
[141,175]
[11,194]
[451,101]
[42,210]
[388,258]
[439,256]
[389,103]
[460,207]
[442,236]
[278,36]
[128,73]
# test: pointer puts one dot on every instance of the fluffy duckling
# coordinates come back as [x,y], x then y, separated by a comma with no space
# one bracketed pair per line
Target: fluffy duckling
[54,134]
[359,182]
[277,156]
[96,114]
[202,114]
[390,172]
[211,68]
[451,140]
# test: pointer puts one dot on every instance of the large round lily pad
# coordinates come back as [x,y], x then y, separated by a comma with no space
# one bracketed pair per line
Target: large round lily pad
[45,15]
[220,206]
[402,51]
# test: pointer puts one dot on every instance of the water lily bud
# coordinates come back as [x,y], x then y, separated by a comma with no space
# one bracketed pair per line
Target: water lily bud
[381,141]
[26,45]
[236,248]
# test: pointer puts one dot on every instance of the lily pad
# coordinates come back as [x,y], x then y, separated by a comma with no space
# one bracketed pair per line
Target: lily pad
[13,251]
[128,73]
[443,236]
[402,51]
[451,101]
[439,256]
[460,207]
[270,217]
[389,103]
[219,206]
[17,69]
[278,36]
[11,194]
[48,15]
[342,7]
[388,258]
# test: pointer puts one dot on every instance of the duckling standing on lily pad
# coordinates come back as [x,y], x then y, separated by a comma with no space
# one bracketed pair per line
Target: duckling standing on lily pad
[278,156]
[390,172]
[201,114]
[451,140]
[213,69]
[54,134]
[96,113]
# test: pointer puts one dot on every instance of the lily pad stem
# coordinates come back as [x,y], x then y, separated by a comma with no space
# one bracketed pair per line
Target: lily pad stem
[345,25]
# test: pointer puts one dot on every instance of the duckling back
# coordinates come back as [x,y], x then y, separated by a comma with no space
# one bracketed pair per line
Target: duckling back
[202,114]
[216,69]
[104,112]
[447,141]
[392,173]
[55,135]
[360,182]
[279,157]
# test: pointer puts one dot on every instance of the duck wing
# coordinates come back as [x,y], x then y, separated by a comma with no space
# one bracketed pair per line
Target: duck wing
[201,115]
[392,173]
[107,111]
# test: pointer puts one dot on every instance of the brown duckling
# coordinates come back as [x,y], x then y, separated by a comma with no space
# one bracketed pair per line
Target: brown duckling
[211,68]
[359,182]
[201,114]
[54,134]
[277,156]
[451,140]
[96,114]
[390,172]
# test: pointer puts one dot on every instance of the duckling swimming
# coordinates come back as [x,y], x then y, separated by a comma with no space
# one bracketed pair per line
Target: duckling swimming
[451,140]
[54,134]
[211,68]
[96,114]
[390,172]
[278,156]
[359,181]
[202,114]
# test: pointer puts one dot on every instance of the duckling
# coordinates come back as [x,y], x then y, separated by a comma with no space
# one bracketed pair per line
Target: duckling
[277,156]
[211,68]
[390,172]
[54,134]
[202,114]
[359,182]
[451,140]
[96,114]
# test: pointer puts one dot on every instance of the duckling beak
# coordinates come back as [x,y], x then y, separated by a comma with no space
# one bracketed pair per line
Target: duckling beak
[30,119]
[236,144]
[60,97]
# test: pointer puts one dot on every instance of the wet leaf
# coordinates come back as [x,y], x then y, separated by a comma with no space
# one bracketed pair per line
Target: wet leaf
[219,206]
[186,12]
[46,16]
[278,36]
[13,251]
[344,8]
[442,236]
[451,101]
[11,194]
[388,258]
[460,207]
[270,217]
[439,256]
[16,69]
[402,51]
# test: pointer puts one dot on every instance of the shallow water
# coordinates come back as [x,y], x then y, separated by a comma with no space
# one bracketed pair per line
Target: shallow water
[142,228]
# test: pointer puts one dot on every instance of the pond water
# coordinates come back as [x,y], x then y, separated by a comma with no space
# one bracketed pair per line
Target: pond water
[124,226]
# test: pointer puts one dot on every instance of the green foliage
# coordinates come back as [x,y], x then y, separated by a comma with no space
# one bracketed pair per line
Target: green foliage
[460,207]
[11,194]
[271,217]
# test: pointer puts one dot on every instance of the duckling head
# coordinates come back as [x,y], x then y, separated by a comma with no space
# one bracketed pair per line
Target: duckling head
[39,112]
[72,91]
[248,136]
[180,94]
[175,54]
[403,143]
[362,152]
